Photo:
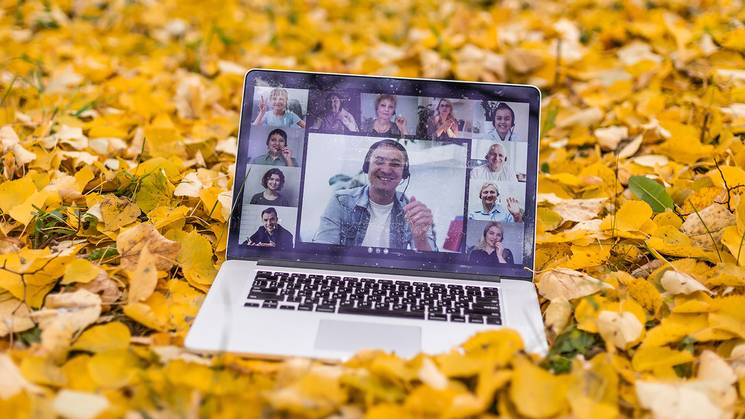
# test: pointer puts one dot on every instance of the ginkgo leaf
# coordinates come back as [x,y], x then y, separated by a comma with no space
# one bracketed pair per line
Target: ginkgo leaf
[651,192]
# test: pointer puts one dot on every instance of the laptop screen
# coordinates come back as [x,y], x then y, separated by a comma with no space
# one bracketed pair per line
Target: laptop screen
[386,173]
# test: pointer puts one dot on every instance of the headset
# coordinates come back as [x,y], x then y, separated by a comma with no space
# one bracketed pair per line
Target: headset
[503,105]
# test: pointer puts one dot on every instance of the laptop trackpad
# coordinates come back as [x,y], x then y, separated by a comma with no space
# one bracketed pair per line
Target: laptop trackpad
[346,336]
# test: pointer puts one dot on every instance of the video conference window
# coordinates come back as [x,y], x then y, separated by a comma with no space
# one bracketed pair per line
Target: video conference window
[382,193]
[276,146]
[388,115]
[496,201]
[491,243]
[501,161]
[502,121]
[279,107]
[276,186]
[268,227]
[443,118]
[334,112]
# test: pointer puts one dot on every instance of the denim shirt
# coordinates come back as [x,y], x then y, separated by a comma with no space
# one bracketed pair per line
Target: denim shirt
[347,216]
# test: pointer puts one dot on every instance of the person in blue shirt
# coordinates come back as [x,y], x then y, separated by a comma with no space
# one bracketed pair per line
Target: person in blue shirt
[376,215]
[279,116]
[492,211]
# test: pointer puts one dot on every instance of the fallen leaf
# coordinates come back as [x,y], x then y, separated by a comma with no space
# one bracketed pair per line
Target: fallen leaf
[131,241]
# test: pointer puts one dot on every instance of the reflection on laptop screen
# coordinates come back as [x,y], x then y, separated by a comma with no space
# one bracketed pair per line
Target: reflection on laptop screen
[387,173]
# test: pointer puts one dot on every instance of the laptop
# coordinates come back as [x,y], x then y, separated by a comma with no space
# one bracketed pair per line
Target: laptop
[376,213]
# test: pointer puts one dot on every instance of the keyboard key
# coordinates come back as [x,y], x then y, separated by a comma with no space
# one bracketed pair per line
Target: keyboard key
[383,313]
[305,307]
[326,308]
[437,317]
[250,304]
[269,304]
[457,318]
[476,319]
[286,307]
[493,320]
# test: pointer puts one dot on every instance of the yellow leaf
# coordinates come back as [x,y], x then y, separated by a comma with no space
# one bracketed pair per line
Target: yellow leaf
[630,217]
[109,336]
[152,313]
[653,357]
[118,212]
[15,192]
[76,372]
[113,368]
[588,256]
[63,315]
[13,381]
[536,392]
[557,315]
[680,283]
[155,190]
[735,242]
[144,278]
[728,315]
[41,370]
[167,218]
[622,329]
[195,258]
[81,270]
[593,389]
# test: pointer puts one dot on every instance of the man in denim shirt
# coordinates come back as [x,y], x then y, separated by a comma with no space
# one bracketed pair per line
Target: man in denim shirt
[377,215]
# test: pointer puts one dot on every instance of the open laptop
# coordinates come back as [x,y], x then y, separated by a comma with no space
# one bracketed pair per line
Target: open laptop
[377,213]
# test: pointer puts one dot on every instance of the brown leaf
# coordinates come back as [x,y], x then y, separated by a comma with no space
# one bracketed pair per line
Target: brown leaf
[130,243]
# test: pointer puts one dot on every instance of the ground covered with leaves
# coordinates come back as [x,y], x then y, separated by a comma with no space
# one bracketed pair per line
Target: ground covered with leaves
[118,124]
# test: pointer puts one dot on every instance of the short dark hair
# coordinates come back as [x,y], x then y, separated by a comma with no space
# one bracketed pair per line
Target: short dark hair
[269,173]
[388,143]
[269,210]
[281,133]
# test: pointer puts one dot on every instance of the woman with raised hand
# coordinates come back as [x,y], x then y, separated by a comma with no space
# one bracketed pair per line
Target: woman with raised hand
[279,116]
[443,124]
[335,118]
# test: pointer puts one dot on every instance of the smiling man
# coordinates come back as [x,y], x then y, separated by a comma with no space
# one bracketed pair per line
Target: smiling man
[377,215]
[493,211]
[270,233]
[496,167]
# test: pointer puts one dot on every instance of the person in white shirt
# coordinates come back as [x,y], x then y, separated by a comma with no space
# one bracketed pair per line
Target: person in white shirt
[496,167]
[376,215]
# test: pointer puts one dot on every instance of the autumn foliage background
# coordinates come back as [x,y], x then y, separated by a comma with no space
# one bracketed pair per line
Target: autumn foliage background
[118,135]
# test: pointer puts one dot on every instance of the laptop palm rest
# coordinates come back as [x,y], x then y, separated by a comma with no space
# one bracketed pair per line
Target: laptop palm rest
[349,336]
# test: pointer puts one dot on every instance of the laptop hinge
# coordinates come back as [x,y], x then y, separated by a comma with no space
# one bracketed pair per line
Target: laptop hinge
[367,269]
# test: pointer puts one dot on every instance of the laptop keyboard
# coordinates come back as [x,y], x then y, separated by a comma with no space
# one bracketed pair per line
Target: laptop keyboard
[375,297]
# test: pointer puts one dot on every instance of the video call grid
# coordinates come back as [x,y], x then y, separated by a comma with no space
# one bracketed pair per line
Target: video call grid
[355,118]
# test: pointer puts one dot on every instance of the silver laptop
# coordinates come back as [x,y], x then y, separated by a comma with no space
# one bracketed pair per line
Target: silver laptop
[377,213]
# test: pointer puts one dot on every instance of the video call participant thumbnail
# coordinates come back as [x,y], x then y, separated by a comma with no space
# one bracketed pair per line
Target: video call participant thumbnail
[376,215]
[492,211]
[385,110]
[270,234]
[443,124]
[496,167]
[335,119]
[279,116]
[502,126]
[277,151]
[272,181]
[490,250]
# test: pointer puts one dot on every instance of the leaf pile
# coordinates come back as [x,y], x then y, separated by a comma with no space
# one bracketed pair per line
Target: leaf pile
[117,129]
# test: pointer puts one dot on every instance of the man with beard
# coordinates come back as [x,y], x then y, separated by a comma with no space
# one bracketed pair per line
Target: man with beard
[492,211]
[377,215]
[496,167]
[277,152]
[270,234]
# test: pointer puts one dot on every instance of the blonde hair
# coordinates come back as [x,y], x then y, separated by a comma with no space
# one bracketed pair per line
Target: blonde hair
[482,243]
[451,115]
[485,185]
[279,91]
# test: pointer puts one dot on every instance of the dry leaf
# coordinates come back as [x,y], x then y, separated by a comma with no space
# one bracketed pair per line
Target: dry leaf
[130,243]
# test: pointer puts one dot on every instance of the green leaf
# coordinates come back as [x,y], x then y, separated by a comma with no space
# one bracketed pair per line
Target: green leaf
[651,192]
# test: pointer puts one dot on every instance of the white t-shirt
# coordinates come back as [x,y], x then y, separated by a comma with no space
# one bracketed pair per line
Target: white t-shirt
[378,232]
[483,172]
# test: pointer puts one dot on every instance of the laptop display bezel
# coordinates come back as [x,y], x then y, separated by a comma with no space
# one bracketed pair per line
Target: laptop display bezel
[470,90]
